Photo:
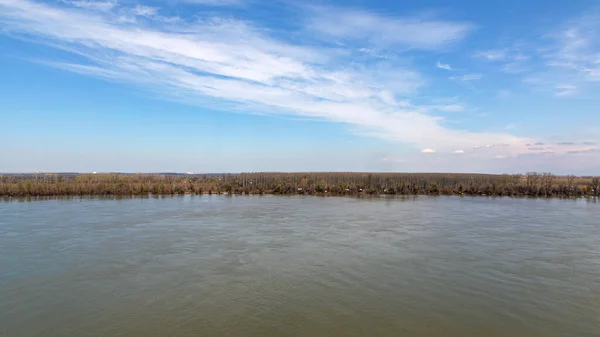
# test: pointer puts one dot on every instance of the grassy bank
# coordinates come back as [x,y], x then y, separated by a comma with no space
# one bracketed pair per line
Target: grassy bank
[530,184]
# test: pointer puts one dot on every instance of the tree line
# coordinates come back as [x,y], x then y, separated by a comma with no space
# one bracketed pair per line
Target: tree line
[334,183]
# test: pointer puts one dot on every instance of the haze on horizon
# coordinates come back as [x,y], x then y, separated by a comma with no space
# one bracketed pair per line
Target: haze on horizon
[245,85]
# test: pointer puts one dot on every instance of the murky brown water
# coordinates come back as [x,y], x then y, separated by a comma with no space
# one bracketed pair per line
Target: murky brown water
[300,266]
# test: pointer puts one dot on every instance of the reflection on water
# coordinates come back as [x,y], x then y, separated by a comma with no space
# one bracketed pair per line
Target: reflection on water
[300,266]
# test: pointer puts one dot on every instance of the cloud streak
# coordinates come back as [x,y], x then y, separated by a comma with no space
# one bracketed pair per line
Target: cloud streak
[566,59]
[213,2]
[231,64]
[440,65]
[492,55]
[103,6]
[385,30]
[467,77]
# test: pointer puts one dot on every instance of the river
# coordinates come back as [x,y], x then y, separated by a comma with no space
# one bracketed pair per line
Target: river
[300,266]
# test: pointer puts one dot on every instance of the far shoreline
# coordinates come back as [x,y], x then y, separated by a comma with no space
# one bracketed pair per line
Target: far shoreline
[353,184]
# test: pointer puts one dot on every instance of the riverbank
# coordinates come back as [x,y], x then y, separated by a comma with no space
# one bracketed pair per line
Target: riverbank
[334,184]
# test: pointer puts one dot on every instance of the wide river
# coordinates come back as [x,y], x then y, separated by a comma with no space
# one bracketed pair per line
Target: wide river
[300,266]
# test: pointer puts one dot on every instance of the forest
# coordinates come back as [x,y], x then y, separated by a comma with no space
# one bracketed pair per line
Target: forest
[532,184]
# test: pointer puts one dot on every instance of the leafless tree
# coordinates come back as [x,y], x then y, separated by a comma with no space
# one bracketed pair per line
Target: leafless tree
[532,179]
[595,186]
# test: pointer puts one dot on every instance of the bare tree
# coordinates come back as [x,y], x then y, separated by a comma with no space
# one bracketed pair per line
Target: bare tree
[570,181]
[547,179]
[532,179]
[595,186]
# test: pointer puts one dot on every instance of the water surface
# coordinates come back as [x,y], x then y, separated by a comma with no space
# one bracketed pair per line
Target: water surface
[300,266]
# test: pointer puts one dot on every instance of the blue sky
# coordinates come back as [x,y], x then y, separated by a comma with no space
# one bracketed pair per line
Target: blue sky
[245,85]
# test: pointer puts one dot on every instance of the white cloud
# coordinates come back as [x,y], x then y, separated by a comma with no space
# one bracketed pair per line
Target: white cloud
[459,151]
[146,11]
[428,151]
[386,30]
[513,58]
[565,90]
[467,77]
[593,74]
[231,65]
[492,55]
[213,2]
[516,67]
[569,58]
[394,160]
[374,53]
[443,66]
[452,108]
[97,5]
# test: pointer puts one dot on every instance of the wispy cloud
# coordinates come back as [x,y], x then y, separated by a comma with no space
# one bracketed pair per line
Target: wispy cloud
[492,55]
[576,44]
[393,160]
[231,64]
[510,59]
[568,58]
[428,151]
[467,77]
[452,108]
[212,2]
[514,67]
[146,11]
[97,5]
[565,90]
[443,66]
[386,30]
[584,151]
[374,53]
[577,143]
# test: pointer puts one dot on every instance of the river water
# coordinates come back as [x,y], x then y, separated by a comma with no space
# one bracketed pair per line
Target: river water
[300,266]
